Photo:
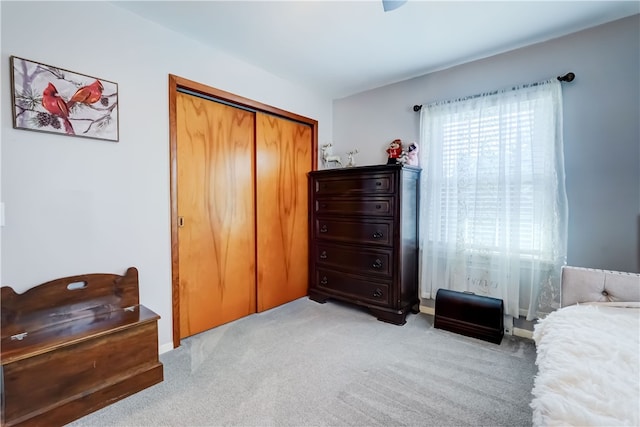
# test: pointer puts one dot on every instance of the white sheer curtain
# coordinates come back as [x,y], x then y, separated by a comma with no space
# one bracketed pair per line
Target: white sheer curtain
[493,211]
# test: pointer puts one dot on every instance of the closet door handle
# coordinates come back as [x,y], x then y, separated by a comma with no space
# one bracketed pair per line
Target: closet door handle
[323,255]
[377,235]
[324,280]
[377,263]
[323,228]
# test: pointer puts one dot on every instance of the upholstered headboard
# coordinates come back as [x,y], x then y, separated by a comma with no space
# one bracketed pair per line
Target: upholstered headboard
[593,285]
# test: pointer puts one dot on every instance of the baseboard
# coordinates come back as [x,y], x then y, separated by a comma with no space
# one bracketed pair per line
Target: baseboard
[523,333]
[165,347]
[428,310]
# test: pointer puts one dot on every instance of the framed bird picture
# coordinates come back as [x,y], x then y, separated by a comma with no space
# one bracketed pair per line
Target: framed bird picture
[51,99]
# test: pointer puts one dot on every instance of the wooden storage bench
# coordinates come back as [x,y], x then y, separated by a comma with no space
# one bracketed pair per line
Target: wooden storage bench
[74,345]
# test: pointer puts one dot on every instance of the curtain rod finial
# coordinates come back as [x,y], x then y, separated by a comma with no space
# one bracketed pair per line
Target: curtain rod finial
[417,108]
[567,77]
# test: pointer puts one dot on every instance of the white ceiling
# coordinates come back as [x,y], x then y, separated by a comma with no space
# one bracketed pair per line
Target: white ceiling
[346,47]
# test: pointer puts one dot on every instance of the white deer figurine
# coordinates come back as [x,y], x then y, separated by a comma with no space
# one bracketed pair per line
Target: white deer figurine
[328,156]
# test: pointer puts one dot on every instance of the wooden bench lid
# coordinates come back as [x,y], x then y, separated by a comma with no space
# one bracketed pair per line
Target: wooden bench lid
[67,309]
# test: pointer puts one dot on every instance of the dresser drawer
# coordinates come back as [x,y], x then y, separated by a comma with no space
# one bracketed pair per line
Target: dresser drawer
[354,258]
[375,206]
[355,184]
[356,287]
[377,231]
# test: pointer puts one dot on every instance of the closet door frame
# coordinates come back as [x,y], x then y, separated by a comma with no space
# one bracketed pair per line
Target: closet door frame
[178,83]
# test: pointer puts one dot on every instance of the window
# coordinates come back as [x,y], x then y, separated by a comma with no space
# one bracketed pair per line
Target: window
[493,192]
[488,147]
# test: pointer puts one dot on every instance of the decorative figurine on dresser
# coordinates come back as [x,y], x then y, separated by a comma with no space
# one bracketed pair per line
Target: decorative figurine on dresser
[364,238]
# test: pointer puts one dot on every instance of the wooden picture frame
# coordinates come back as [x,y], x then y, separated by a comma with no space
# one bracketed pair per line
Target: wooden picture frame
[45,98]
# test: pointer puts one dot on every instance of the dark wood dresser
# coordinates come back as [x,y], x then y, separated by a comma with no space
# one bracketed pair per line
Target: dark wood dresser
[364,238]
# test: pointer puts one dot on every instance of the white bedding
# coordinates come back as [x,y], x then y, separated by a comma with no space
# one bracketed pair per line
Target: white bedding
[588,367]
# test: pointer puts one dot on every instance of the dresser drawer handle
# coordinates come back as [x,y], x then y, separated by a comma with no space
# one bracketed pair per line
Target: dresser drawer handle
[378,206]
[377,263]
[377,235]
[324,280]
[377,293]
[378,184]
[323,228]
[323,255]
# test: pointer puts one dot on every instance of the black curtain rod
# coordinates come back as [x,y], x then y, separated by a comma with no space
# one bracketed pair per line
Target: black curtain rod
[566,78]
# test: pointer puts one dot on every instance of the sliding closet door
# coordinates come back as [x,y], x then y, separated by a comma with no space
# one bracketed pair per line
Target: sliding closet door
[283,158]
[215,197]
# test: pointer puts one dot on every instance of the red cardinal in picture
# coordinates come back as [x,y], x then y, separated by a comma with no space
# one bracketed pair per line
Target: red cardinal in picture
[54,104]
[87,94]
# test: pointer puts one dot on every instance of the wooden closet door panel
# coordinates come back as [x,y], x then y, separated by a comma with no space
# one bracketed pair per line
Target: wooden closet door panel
[283,158]
[216,244]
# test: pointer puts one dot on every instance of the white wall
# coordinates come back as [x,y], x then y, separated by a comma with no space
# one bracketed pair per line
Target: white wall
[76,205]
[601,131]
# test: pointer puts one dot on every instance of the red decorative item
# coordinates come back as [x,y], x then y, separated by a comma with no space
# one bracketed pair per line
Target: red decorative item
[394,151]
[87,94]
[53,103]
